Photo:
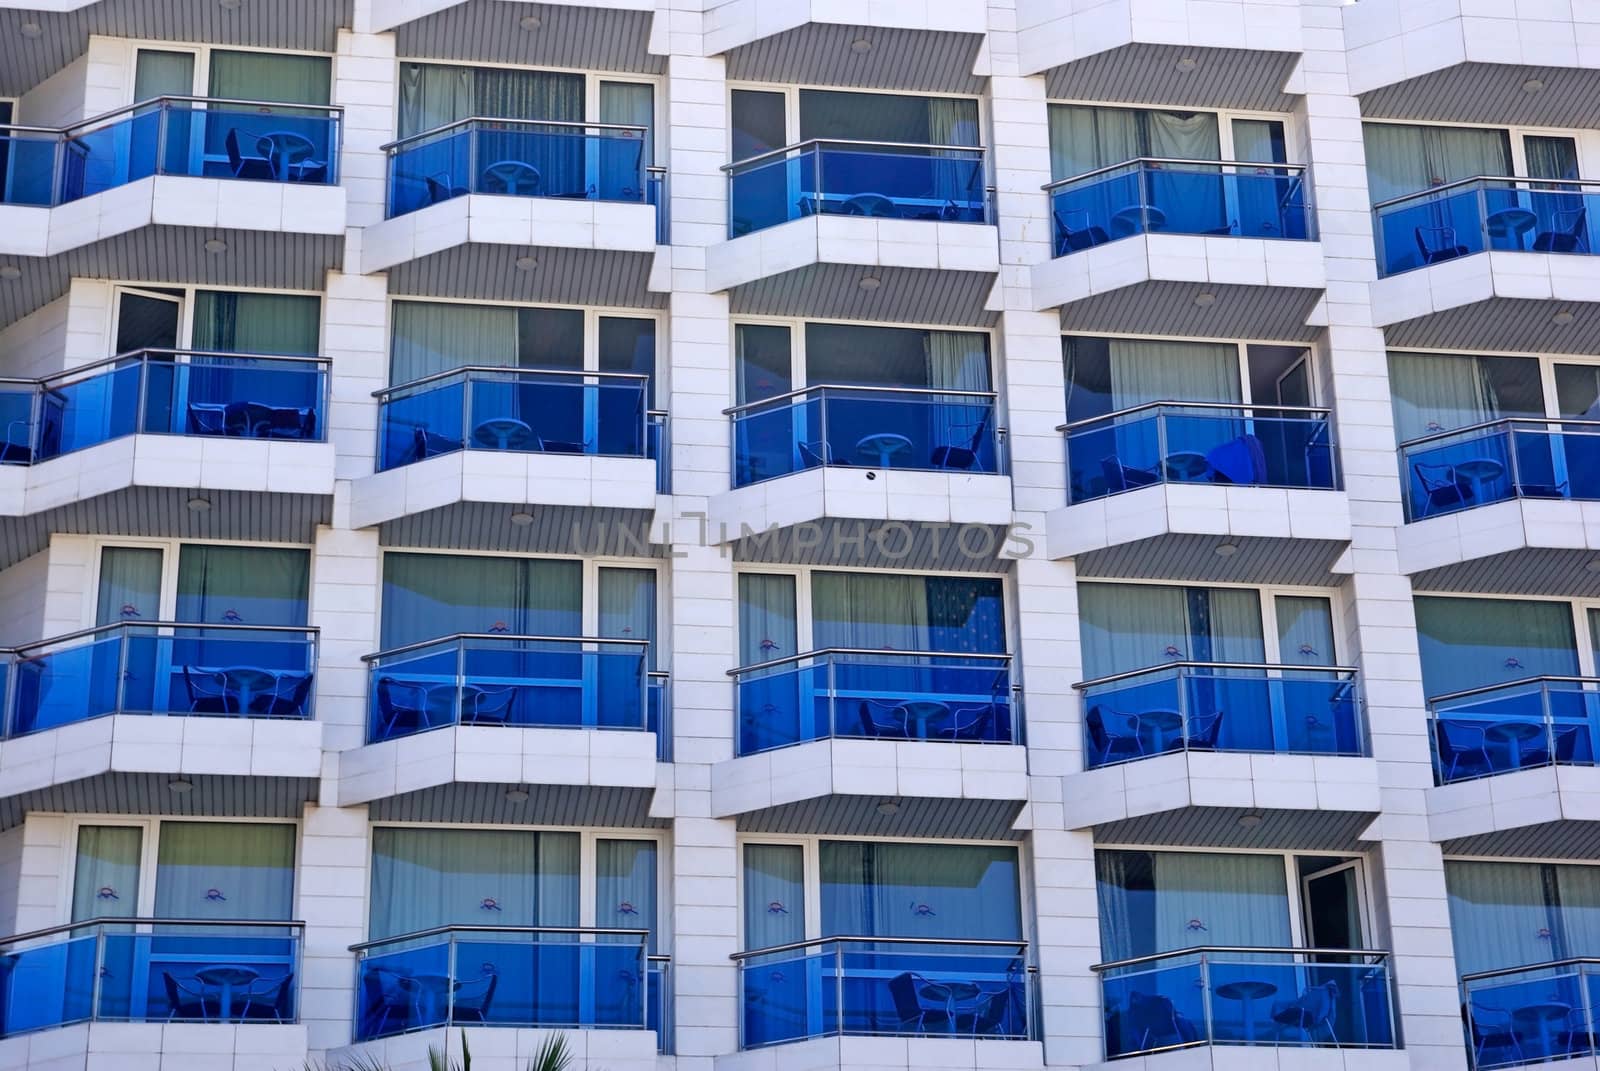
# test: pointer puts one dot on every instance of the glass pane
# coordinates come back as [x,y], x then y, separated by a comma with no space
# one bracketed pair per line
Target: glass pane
[1498,914]
[1259,141]
[130,585]
[286,324]
[242,585]
[774,895]
[764,363]
[225,870]
[145,322]
[1305,630]
[422,878]
[1578,391]
[429,595]
[105,882]
[625,886]
[890,117]
[1159,901]
[1466,643]
[758,122]
[628,605]
[548,338]
[161,74]
[1551,157]
[920,890]
[766,617]
[270,76]
[628,344]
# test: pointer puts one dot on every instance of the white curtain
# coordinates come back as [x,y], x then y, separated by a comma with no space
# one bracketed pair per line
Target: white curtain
[956,176]
[1578,888]
[957,360]
[1436,392]
[1083,138]
[432,95]
[1466,643]
[1305,630]
[432,337]
[256,323]
[869,610]
[225,870]
[1234,629]
[219,584]
[1183,135]
[932,891]
[130,585]
[428,595]
[1130,626]
[1173,371]
[774,895]
[625,886]
[270,76]
[1408,159]
[1497,912]
[105,882]
[628,606]
[1204,899]
[767,626]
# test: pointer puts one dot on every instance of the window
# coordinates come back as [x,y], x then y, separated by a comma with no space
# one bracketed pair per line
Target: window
[1512,914]
[1437,392]
[856,355]
[213,584]
[1409,158]
[431,337]
[1467,643]
[1160,901]
[221,870]
[760,120]
[931,891]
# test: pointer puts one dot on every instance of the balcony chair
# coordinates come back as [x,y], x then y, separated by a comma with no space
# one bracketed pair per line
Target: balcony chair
[473,998]
[563,446]
[271,1000]
[182,1001]
[1155,1022]
[892,727]
[1241,460]
[1108,742]
[1438,244]
[1566,749]
[921,1003]
[250,167]
[1461,747]
[818,454]
[1203,732]
[970,723]
[17,449]
[286,699]
[488,706]
[1526,489]
[961,457]
[870,204]
[511,176]
[386,994]
[1120,477]
[208,418]
[208,692]
[1447,490]
[426,444]
[280,422]
[1491,1029]
[1565,239]
[1312,1010]
[442,187]
[401,704]
[989,1012]
[1072,240]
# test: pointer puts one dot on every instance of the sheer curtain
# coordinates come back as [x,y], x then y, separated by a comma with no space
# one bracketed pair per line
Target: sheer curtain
[868,610]
[767,626]
[1435,392]
[625,886]
[628,606]
[624,156]
[271,76]
[1173,371]
[225,870]
[956,177]
[1083,137]
[105,881]
[1407,159]
[429,595]
[1183,135]
[1466,643]
[1305,630]
[1497,912]
[1235,899]
[432,337]
[965,615]
[285,324]
[931,891]
[1578,888]
[774,895]
[432,95]
[1130,626]
[130,585]
[242,585]
[423,878]
[957,360]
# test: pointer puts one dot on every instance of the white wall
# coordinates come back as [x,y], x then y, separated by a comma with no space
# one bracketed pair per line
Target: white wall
[22,599]
[35,345]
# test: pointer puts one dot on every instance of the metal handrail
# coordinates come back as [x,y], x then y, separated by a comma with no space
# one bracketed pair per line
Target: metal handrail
[1188,664]
[330,109]
[1551,186]
[468,369]
[824,651]
[1142,161]
[153,351]
[1500,972]
[68,927]
[1484,689]
[1321,410]
[964,942]
[457,637]
[390,146]
[1434,436]
[115,625]
[1375,953]
[817,142]
[438,931]
[819,387]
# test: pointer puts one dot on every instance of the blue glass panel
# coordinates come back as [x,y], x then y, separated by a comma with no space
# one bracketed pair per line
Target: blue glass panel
[49,985]
[29,175]
[1515,727]
[1433,227]
[933,184]
[1511,459]
[1540,1013]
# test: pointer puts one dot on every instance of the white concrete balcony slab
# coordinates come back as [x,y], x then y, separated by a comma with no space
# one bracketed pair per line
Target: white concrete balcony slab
[390,14]
[193,1046]
[565,483]
[507,1046]
[1549,811]
[921,271]
[1528,546]
[864,786]
[1205,531]
[1461,61]
[1188,285]
[1235,1057]
[890,1054]
[1199,53]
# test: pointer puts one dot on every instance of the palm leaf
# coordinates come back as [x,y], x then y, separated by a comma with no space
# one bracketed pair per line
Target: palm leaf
[553,1055]
[440,1061]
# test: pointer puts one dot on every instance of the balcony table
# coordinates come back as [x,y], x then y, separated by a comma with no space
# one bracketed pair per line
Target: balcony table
[1186,465]
[291,155]
[503,433]
[1514,733]
[1542,1014]
[249,682]
[226,978]
[1512,223]
[1131,219]
[920,712]
[1480,471]
[1247,991]
[1155,725]
[885,444]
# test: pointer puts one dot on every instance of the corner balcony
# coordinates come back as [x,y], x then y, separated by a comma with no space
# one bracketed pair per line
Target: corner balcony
[1514,764]
[1537,1014]
[1508,505]
[583,445]
[237,981]
[535,722]
[860,230]
[1274,998]
[1205,490]
[1229,54]
[1257,755]
[813,465]
[1195,248]
[829,735]
[1457,61]
[556,211]
[1490,263]
[889,1002]
[417,989]
[166,708]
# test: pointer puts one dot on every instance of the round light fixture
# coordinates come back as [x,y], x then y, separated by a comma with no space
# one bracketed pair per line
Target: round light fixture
[10,271]
[1205,300]
[889,807]
[1562,318]
[216,245]
[870,282]
[526,264]
[1249,821]
[1225,550]
[30,30]
[522,518]
[1533,85]
[229,5]
[1187,64]
[197,504]
[1593,566]
[861,46]
[180,785]
[530,22]
[516,795]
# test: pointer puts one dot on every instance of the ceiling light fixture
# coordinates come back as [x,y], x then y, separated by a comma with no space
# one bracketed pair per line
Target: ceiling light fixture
[861,46]
[889,807]
[516,795]
[1593,566]
[870,282]
[1187,64]
[530,22]
[180,785]
[1562,318]
[198,504]
[526,264]
[1250,820]
[1533,85]
[30,30]
[10,271]
[1226,550]
[216,245]
[1205,300]
[522,518]
[230,5]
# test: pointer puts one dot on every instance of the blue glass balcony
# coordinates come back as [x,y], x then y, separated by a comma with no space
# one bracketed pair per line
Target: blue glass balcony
[1449,471]
[164,392]
[517,410]
[1212,706]
[864,694]
[522,158]
[1235,996]
[871,427]
[883,986]
[1201,197]
[515,976]
[150,971]
[1532,1014]
[1540,721]
[1178,442]
[194,136]
[235,670]
[1459,219]
[856,178]
[507,680]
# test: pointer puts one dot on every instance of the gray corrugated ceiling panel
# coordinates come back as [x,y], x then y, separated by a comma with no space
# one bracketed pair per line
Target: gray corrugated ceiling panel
[904,295]
[1149,74]
[819,53]
[306,25]
[212,796]
[1219,827]
[858,544]
[571,36]
[546,805]
[1492,93]
[1504,325]
[566,276]
[555,530]
[1168,308]
[858,816]
[1534,571]
[1193,557]
[1548,840]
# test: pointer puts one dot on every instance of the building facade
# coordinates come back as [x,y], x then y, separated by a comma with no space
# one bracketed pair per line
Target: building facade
[770,535]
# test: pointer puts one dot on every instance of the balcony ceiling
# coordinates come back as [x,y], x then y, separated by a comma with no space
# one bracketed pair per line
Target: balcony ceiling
[905,295]
[163,513]
[212,796]
[267,259]
[566,276]
[852,543]
[573,37]
[1528,571]
[1149,74]
[307,25]
[1185,556]
[1568,839]
[1168,308]
[1219,827]
[555,530]
[819,54]
[1492,93]
[1505,325]
[858,816]
[553,805]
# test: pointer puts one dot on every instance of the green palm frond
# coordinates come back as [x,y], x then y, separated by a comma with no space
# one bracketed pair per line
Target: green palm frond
[348,1063]
[553,1055]
[439,1061]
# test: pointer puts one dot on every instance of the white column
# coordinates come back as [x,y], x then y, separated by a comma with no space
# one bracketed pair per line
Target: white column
[331,899]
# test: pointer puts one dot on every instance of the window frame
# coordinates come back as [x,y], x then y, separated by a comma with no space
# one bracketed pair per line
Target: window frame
[185,295]
[791,109]
[171,550]
[796,325]
[1308,352]
[1294,132]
